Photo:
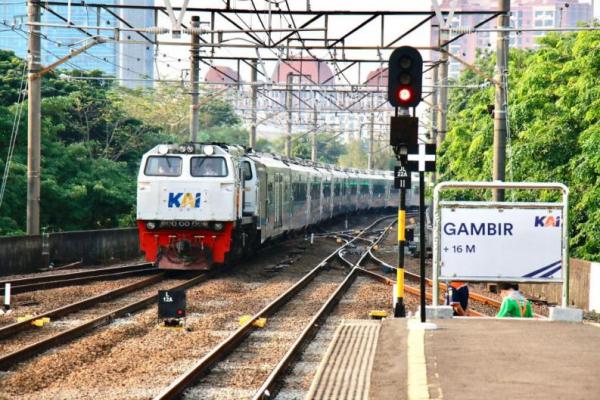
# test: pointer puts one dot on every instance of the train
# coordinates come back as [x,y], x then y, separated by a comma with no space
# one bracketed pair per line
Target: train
[200,205]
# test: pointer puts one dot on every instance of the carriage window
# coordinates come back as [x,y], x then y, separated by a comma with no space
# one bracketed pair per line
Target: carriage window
[163,166]
[353,189]
[326,189]
[208,166]
[336,189]
[378,188]
[315,190]
[247,170]
[364,188]
[299,191]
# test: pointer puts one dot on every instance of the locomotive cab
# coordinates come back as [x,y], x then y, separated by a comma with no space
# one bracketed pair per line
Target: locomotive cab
[189,199]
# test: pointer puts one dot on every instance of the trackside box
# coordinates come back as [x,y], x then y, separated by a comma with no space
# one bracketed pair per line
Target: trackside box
[171,304]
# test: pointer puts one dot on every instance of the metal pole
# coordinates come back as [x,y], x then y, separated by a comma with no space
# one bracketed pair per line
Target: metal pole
[195,77]
[253,79]
[288,108]
[313,137]
[34,119]
[422,240]
[434,107]
[371,137]
[500,99]
[443,90]
[400,310]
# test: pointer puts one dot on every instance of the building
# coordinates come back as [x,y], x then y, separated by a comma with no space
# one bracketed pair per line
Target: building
[524,13]
[132,64]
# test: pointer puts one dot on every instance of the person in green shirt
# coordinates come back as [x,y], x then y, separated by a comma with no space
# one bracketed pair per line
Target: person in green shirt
[514,304]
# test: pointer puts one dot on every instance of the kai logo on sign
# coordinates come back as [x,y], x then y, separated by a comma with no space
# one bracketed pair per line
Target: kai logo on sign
[182,200]
[546,221]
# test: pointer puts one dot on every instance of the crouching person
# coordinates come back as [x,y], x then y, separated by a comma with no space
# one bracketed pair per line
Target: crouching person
[514,304]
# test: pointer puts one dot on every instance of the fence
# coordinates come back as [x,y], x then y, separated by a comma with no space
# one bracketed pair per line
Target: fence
[23,254]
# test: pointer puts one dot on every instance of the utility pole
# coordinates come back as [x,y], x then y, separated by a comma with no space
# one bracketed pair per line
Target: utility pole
[253,79]
[195,77]
[34,121]
[443,90]
[500,99]
[434,107]
[371,135]
[288,108]
[313,137]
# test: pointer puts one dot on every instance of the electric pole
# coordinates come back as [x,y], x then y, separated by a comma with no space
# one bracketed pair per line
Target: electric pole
[253,79]
[288,108]
[34,120]
[195,77]
[443,90]
[434,107]
[371,135]
[313,137]
[500,122]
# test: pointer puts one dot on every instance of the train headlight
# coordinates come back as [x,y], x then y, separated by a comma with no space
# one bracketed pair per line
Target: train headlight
[150,225]
[218,226]
[190,148]
[208,150]
[182,148]
[163,149]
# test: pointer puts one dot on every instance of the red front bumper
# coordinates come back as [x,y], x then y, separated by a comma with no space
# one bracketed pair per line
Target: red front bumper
[172,248]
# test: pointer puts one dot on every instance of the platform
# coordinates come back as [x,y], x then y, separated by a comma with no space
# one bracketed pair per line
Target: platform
[473,358]
[345,371]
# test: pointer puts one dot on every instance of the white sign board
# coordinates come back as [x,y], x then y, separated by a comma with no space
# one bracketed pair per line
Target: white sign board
[506,243]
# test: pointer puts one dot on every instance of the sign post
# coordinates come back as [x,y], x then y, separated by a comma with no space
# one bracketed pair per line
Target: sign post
[422,158]
[487,241]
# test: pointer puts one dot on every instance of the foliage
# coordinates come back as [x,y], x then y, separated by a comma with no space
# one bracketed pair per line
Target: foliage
[554,112]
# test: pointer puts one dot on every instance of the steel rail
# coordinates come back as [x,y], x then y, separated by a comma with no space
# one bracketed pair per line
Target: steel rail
[24,285]
[24,353]
[219,352]
[271,384]
[11,329]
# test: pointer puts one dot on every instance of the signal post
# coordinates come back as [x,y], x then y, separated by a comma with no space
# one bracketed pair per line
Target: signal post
[405,76]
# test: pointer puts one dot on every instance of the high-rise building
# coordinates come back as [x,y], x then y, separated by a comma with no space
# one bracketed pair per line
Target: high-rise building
[524,13]
[132,64]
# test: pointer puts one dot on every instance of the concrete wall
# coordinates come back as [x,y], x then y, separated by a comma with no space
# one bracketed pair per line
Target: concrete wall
[23,254]
[579,287]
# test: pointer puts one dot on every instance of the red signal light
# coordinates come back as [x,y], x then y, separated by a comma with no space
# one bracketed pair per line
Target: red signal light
[405,94]
[179,312]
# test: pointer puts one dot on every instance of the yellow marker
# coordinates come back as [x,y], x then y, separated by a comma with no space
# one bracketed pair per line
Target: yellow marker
[401,225]
[417,364]
[259,323]
[377,314]
[400,282]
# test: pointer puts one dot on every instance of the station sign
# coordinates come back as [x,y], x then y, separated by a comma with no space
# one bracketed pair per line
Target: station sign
[500,243]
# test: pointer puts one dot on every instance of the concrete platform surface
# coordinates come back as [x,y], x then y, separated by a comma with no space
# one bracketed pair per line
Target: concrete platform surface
[472,358]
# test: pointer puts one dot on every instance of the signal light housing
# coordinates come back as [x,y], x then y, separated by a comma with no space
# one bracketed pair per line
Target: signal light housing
[405,77]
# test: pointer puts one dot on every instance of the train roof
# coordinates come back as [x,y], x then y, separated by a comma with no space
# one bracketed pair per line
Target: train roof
[270,159]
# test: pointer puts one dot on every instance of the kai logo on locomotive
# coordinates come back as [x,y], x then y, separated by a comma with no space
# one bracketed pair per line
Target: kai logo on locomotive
[183,200]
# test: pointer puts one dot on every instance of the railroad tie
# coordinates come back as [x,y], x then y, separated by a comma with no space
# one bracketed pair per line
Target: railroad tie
[345,371]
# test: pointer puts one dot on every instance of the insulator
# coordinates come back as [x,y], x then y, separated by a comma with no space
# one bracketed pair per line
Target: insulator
[463,29]
[158,30]
[193,30]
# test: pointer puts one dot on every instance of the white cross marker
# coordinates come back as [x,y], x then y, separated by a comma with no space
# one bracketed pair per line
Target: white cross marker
[422,157]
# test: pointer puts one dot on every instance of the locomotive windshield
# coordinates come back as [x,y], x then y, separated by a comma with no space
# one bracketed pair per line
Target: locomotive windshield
[208,167]
[163,166]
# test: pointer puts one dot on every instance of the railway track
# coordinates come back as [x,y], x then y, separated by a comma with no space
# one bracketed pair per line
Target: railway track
[23,285]
[22,343]
[229,361]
